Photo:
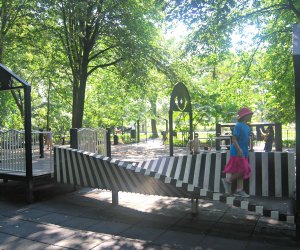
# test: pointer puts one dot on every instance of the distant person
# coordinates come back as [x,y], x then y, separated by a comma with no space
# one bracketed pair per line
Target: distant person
[269,139]
[238,165]
[164,137]
[49,139]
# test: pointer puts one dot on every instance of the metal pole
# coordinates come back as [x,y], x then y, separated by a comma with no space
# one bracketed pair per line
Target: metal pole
[41,141]
[108,142]
[191,136]
[278,137]
[166,125]
[138,131]
[171,132]
[218,133]
[296,59]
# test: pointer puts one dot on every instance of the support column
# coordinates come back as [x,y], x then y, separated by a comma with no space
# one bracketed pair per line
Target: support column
[194,206]
[115,197]
[171,133]
[218,133]
[74,138]
[296,59]
[108,142]
[278,137]
[28,146]
[41,141]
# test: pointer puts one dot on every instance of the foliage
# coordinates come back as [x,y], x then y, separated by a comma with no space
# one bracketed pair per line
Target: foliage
[108,63]
[265,64]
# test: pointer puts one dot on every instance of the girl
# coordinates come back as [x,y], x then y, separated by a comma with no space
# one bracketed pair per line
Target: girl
[238,165]
[269,139]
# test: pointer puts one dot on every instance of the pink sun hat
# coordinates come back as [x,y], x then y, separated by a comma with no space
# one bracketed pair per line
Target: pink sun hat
[243,112]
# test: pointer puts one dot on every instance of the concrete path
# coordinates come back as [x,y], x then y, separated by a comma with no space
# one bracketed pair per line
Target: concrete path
[85,219]
[147,150]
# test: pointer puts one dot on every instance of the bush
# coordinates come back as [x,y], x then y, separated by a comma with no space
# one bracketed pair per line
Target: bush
[288,143]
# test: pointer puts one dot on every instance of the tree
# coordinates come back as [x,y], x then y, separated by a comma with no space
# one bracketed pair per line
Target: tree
[14,15]
[265,62]
[99,34]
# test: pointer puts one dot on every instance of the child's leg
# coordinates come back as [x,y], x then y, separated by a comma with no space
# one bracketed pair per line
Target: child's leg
[240,188]
[235,176]
[240,184]
[227,183]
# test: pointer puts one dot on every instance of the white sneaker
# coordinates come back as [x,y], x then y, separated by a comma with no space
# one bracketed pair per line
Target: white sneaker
[227,186]
[242,193]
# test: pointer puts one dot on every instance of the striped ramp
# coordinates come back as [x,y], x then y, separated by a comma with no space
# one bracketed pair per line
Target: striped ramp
[191,176]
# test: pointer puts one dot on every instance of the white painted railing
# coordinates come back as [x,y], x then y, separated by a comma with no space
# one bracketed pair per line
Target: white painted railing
[92,140]
[12,149]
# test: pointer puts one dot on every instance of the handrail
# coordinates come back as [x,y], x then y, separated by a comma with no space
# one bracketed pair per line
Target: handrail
[12,149]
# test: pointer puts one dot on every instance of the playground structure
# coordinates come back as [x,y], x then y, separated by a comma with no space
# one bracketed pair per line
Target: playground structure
[91,140]
[192,176]
[10,81]
[257,133]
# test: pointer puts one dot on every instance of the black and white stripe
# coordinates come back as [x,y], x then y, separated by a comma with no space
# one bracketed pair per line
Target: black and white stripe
[273,175]
[90,170]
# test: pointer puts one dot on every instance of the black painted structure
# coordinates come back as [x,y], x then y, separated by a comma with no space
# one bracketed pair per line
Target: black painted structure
[180,101]
[10,81]
[257,126]
[296,59]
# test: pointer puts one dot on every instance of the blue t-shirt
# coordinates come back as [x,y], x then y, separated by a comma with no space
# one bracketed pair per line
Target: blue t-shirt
[242,133]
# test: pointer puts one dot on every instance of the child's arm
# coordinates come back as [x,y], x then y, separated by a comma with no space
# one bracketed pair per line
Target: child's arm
[237,146]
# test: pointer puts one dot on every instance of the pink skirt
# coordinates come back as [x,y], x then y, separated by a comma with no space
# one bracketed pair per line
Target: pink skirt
[238,165]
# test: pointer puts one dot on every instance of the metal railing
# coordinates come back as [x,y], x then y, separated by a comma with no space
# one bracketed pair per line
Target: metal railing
[92,140]
[12,149]
[208,144]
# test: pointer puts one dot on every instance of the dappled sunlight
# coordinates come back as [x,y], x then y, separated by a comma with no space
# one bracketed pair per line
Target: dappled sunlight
[86,219]
[272,221]
[251,217]
[84,240]
[206,205]
[118,243]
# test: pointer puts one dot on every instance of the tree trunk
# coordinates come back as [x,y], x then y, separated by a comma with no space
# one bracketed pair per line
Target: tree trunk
[154,129]
[79,96]
[153,121]
[48,106]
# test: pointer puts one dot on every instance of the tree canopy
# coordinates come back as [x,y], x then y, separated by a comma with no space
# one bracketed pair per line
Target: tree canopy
[262,65]
[106,62]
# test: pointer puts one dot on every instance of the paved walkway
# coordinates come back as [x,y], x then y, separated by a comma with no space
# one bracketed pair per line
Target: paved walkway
[85,219]
[151,149]
[62,218]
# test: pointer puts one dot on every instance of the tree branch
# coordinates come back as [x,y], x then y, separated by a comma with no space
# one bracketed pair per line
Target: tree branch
[271,7]
[104,65]
[293,8]
[100,52]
